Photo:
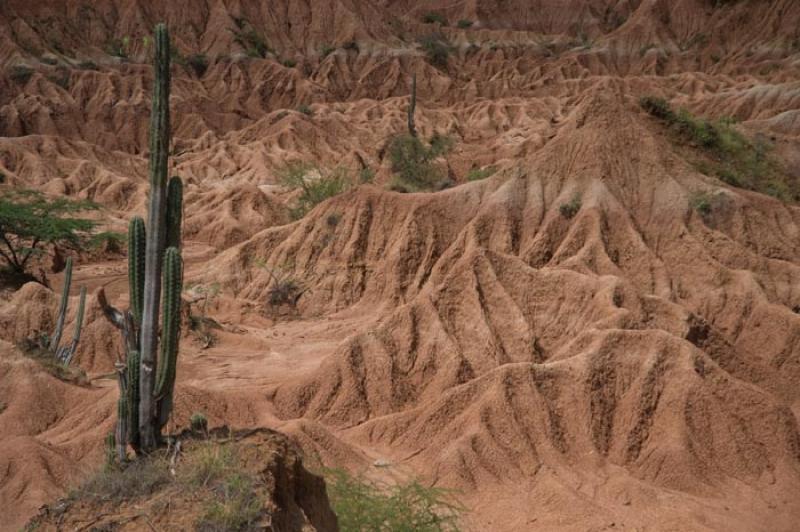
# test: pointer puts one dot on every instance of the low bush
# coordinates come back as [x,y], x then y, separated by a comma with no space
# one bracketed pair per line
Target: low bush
[306,110]
[361,505]
[315,185]
[476,174]
[20,74]
[414,163]
[464,24]
[570,209]
[199,63]
[434,18]
[437,49]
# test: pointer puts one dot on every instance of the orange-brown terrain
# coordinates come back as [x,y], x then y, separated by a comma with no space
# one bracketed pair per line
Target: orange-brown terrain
[634,365]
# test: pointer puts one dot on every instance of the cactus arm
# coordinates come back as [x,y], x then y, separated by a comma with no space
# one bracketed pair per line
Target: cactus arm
[174,212]
[136,252]
[66,353]
[121,433]
[156,234]
[167,363]
[62,309]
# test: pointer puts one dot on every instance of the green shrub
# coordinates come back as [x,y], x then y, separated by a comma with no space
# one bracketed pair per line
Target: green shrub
[108,241]
[437,49]
[476,174]
[305,109]
[658,107]
[289,63]
[701,202]
[570,209]
[366,175]
[464,24]
[414,163]
[326,50]
[315,185]
[198,422]
[434,18]
[20,74]
[253,42]
[199,63]
[362,506]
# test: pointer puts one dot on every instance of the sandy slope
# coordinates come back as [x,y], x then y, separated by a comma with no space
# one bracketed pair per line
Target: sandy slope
[633,367]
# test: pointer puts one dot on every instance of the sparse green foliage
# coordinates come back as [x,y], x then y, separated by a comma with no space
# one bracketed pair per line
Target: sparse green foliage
[437,49]
[289,63]
[253,42]
[108,241]
[730,156]
[199,63]
[326,50]
[200,324]
[361,505]
[236,508]
[476,174]
[366,175]
[136,479]
[29,221]
[316,185]
[198,422]
[414,163]
[306,110]
[432,17]
[118,47]
[570,209]
[464,24]
[88,65]
[284,289]
[20,74]
[701,202]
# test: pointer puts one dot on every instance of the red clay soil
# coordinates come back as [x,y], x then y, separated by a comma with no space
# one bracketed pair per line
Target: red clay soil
[634,366]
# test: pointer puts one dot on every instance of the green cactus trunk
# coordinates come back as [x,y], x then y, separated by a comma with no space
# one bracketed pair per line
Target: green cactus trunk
[170,334]
[62,308]
[136,251]
[174,212]
[156,236]
[132,399]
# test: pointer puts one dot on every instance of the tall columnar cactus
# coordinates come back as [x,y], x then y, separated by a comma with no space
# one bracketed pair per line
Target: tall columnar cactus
[62,308]
[412,107]
[156,238]
[147,382]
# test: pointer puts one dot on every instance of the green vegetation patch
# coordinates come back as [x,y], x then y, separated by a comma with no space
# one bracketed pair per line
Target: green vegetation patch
[361,505]
[724,152]
[414,162]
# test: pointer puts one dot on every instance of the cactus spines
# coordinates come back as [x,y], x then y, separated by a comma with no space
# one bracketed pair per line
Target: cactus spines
[136,251]
[174,212]
[62,308]
[412,107]
[156,235]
